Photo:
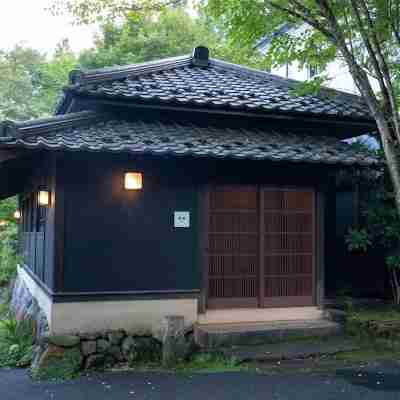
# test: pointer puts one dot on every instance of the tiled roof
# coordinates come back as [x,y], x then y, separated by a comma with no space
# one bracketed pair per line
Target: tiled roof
[182,82]
[85,132]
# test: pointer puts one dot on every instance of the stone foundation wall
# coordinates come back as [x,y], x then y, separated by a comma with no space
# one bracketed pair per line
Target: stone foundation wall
[25,306]
[109,349]
[170,340]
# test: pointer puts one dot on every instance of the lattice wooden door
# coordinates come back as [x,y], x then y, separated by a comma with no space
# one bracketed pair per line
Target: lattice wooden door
[260,247]
[233,246]
[288,247]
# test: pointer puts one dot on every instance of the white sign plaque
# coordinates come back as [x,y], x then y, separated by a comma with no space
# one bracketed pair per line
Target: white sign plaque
[181,219]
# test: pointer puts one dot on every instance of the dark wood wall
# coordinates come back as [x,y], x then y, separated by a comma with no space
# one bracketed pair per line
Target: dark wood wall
[118,240]
[36,230]
[121,241]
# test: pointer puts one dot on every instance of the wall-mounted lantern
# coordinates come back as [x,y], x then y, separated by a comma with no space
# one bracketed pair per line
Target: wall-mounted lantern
[44,198]
[17,215]
[133,181]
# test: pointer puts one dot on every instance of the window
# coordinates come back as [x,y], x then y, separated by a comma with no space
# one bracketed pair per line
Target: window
[33,226]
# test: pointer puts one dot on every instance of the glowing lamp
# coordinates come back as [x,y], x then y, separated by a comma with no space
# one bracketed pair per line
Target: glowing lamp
[17,215]
[133,181]
[3,222]
[44,198]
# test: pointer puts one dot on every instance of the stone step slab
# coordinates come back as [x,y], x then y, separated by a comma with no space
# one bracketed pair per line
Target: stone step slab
[226,335]
[291,350]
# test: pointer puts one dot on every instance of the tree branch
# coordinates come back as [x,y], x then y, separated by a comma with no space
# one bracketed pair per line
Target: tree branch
[384,70]
[302,16]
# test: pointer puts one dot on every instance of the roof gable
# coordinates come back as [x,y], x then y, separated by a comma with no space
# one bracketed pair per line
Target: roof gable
[213,85]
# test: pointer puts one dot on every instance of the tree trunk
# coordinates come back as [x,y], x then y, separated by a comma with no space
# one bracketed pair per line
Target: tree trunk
[392,159]
[395,285]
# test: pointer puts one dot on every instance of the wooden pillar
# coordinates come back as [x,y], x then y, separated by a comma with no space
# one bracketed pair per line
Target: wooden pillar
[320,248]
[356,205]
[203,218]
[59,225]
[261,233]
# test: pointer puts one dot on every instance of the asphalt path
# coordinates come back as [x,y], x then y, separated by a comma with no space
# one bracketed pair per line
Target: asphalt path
[373,384]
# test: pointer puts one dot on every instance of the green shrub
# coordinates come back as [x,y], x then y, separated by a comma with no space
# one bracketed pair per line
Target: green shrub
[66,367]
[16,343]
[8,254]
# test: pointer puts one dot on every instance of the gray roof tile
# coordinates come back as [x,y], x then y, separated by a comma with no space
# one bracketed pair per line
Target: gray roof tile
[219,85]
[85,132]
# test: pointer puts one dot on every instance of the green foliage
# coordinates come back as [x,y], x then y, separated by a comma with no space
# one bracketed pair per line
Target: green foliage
[393,262]
[144,37]
[210,363]
[381,221]
[316,43]
[358,239]
[7,209]
[61,368]
[373,322]
[30,83]
[8,254]
[16,342]
[89,11]
[19,70]
[54,75]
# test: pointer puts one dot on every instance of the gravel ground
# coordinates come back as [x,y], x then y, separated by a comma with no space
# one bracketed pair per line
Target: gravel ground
[377,382]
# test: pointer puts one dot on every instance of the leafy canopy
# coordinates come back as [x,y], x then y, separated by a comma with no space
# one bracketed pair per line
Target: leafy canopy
[152,35]
[30,84]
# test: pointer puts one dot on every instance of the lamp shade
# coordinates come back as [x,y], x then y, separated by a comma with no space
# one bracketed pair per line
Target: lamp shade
[133,181]
[17,214]
[44,198]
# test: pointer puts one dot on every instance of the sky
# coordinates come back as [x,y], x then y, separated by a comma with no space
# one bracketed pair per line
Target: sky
[28,22]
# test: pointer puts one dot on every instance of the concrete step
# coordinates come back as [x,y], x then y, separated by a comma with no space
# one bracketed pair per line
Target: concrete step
[225,335]
[256,315]
[294,350]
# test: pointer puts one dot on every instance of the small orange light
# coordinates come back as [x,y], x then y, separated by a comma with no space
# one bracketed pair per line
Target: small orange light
[3,222]
[17,214]
[133,181]
[44,198]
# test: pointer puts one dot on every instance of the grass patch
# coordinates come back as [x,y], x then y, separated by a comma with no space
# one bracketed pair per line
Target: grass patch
[210,363]
[378,321]
[16,342]
[375,313]
[198,363]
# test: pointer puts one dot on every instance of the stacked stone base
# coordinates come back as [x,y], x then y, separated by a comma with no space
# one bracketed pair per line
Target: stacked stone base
[96,350]
[79,351]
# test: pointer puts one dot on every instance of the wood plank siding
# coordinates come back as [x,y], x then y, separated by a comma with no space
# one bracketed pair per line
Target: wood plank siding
[101,240]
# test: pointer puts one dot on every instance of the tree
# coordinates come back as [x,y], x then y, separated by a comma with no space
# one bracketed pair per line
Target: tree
[30,84]
[365,34]
[53,75]
[166,33]
[19,74]
[89,11]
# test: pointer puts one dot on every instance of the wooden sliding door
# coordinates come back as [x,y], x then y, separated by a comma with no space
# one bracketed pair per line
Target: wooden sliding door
[288,242]
[233,247]
[260,246]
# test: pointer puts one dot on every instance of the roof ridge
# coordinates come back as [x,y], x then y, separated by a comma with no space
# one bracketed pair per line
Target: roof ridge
[12,129]
[77,76]
[81,77]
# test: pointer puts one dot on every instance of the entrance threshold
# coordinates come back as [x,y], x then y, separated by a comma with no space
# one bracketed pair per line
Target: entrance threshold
[255,315]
